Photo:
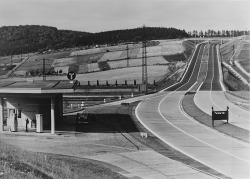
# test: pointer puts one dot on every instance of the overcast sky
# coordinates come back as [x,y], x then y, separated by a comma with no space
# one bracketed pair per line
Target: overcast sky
[104,15]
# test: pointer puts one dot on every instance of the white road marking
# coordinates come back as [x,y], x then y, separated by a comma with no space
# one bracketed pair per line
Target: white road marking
[216,148]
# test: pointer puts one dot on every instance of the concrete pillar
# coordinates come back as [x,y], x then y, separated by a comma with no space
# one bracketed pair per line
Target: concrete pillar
[61,106]
[52,115]
[1,114]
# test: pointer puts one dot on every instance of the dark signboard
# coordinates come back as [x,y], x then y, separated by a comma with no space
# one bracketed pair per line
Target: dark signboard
[219,115]
[71,75]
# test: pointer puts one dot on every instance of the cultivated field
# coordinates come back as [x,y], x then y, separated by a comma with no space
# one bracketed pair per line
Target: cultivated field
[129,74]
[235,54]
[227,48]
[137,62]
[164,48]
[244,55]
[107,63]
[109,56]
[35,63]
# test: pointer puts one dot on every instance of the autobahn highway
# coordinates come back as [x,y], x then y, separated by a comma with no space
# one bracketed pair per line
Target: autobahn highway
[186,80]
[212,81]
[211,94]
[163,116]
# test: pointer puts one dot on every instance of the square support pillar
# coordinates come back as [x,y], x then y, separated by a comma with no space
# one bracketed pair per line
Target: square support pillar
[61,106]
[52,115]
[1,114]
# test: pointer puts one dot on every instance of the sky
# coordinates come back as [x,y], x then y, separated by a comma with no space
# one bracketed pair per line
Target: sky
[104,15]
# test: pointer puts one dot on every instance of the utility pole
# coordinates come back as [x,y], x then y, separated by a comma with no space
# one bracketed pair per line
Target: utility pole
[127,57]
[11,58]
[44,75]
[11,54]
[144,65]
[144,62]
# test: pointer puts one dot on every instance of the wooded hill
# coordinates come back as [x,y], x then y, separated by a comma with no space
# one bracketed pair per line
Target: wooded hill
[33,38]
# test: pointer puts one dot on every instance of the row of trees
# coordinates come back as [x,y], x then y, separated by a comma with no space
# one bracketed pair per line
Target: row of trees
[222,33]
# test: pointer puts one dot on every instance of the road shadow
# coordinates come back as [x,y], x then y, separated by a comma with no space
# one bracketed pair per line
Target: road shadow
[99,123]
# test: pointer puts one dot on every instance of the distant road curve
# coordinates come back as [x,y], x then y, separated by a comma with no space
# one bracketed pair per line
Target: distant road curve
[162,116]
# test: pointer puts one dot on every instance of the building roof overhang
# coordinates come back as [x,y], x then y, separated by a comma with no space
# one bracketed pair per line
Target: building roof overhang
[37,87]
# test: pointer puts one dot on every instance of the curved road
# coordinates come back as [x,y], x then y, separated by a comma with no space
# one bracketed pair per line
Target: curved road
[163,116]
[211,94]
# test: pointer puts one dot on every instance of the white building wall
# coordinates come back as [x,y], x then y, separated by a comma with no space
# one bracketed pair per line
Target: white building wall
[29,108]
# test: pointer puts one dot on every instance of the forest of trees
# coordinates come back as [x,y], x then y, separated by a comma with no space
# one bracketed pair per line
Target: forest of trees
[222,33]
[24,39]
[35,38]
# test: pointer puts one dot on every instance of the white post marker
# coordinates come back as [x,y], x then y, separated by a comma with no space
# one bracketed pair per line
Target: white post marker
[52,115]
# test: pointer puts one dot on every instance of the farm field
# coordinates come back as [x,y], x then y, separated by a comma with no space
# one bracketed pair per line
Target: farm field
[36,62]
[109,56]
[129,74]
[132,53]
[244,56]
[7,59]
[104,49]
[168,47]
[235,55]
[85,61]
[137,62]
[227,49]
[104,66]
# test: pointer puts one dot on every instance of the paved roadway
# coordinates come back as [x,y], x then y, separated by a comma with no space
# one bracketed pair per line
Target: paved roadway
[212,81]
[163,116]
[211,94]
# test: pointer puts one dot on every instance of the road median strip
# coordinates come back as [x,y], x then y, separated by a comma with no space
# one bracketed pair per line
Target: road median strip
[192,110]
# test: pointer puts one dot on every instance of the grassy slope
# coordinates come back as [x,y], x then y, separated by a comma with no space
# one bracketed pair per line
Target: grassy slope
[18,163]
[227,52]
[66,59]
[89,62]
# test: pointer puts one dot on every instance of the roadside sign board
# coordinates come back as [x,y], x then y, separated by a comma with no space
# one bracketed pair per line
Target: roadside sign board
[71,75]
[219,115]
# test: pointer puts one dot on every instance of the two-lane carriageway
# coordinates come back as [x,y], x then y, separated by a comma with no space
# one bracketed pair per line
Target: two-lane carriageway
[211,94]
[162,115]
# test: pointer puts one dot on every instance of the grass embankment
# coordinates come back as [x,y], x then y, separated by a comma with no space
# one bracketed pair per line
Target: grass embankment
[177,65]
[18,163]
[231,52]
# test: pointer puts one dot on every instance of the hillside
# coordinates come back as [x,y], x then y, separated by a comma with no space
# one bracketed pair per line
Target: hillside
[33,38]
[101,59]
[235,56]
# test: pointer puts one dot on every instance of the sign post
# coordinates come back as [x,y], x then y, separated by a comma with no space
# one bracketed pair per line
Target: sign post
[219,115]
[71,76]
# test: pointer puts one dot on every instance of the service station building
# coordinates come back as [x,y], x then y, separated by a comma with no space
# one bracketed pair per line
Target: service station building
[24,102]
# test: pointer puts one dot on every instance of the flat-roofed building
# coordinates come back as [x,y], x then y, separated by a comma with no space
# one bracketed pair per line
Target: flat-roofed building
[26,99]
